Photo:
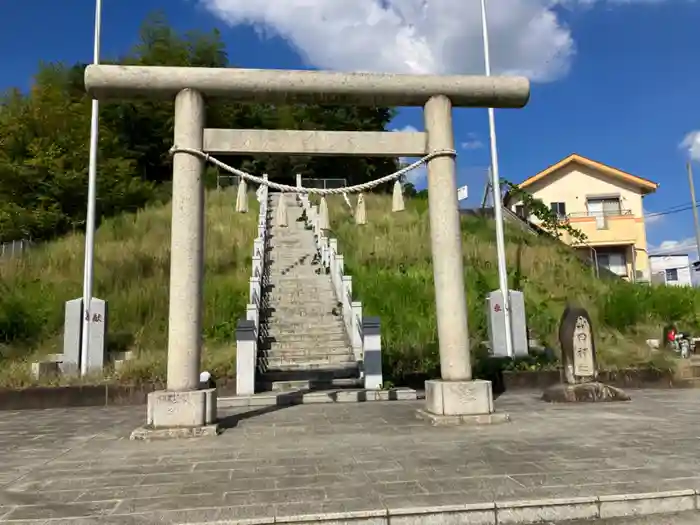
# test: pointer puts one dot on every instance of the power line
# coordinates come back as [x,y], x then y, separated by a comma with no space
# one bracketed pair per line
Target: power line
[674,209]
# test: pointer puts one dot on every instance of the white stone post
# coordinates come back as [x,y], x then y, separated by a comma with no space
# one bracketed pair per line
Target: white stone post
[455,395]
[356,324]
[324,251]
[340,269]
[258,247]
[252,313]
[254,291]
[256,262]
[346,301]
[372,354]
[333,246]
[246,355]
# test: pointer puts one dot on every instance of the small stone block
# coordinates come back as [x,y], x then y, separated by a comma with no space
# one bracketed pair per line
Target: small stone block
[404,394]
[475,419]
[147,433]
[44,369]
[458,398]
[594,392]
[191,409]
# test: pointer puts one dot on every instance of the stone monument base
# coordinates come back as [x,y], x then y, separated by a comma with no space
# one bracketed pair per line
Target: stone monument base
[172,415]
[593,392]
[459,402]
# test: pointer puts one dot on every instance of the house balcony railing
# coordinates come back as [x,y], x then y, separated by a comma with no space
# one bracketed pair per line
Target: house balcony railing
[601,217]
[607,213]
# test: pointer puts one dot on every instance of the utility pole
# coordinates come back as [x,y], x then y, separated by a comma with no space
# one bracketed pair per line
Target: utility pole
[695,207]
[91,205]
[497,197]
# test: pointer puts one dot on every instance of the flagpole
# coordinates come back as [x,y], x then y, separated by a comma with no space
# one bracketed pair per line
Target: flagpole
[88,276]
[497,197]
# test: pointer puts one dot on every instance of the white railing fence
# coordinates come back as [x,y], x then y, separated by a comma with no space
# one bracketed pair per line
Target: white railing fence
[14,248]
[333,262]
[248,333]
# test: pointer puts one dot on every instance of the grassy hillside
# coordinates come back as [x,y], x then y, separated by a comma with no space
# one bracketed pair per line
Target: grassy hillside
[389,260]
[132,266]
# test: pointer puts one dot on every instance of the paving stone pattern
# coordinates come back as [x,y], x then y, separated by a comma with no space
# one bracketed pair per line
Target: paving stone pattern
[305,323]
[77,466]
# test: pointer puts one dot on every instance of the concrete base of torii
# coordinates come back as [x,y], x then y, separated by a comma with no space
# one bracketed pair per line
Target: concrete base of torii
[460,402]
[172,415]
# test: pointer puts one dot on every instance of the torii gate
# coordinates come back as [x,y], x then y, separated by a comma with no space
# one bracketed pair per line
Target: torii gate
[184,409]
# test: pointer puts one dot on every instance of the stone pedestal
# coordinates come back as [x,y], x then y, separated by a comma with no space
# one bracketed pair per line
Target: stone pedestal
[458,402]
[179,415]
[593,392]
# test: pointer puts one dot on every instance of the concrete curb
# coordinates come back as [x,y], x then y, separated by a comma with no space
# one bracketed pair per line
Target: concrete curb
[302,397]
[501,513]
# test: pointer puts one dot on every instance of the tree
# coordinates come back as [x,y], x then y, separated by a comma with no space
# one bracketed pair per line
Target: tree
[549,221]
[44,137]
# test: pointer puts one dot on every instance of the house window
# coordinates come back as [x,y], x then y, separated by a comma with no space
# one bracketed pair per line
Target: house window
[520,211]
[604,207]
[559,208]
[615,262]
[672,275]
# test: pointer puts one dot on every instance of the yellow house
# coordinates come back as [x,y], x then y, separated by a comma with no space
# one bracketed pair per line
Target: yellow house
[604,203]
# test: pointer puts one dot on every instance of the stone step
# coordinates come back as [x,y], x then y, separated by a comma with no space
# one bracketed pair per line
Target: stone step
[304,278]
[281,364]
[306,360]
[297,311]
[306,281]
[308,300]
[308,296]
[286,256]
[300,290]
[297,350]
[301,324]
[309,336]
[311,384]
[330,336]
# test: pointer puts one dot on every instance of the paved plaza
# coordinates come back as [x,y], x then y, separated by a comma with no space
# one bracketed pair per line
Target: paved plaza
[373,460]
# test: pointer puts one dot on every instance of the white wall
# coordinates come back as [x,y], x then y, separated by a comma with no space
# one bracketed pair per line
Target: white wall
[661,263]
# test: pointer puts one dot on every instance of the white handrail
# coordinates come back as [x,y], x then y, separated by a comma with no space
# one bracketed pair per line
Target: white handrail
[247,347]
[259,261]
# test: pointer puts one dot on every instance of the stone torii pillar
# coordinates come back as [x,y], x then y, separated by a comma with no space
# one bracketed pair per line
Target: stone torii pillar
[184,409]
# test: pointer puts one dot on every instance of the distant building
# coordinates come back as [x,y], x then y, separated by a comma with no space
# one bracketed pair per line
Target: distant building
[604,203]
[672,269]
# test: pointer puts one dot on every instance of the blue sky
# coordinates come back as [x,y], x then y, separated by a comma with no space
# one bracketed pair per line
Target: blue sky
[613,80]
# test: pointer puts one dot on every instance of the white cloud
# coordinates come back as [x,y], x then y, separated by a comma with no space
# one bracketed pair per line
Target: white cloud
[419,174]
[527,37]
[406,129]
[652,218]
[691,143]
[472,142]
[687,245]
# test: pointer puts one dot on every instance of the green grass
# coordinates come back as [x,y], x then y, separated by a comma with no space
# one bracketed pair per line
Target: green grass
[389,259]
[132,267]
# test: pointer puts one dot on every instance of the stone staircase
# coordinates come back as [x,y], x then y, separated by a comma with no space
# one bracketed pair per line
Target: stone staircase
[304,345]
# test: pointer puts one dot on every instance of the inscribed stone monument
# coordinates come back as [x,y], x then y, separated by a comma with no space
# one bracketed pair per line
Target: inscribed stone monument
[580,368]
